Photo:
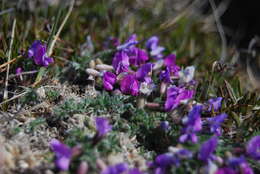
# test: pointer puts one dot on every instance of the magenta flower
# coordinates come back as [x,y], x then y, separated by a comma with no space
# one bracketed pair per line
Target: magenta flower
[109,79]
[143,71]
[38,52]
[207,149]
[169,62]
[214,103]
[137,56]
[129,85]
[225,170]
[63,154]
[253,147]
[175,95]
[246,169]
[116,169]
[121,62]
[134,171]
[111,42]
[102,126]
[18,71]
[215,123]
[192,125]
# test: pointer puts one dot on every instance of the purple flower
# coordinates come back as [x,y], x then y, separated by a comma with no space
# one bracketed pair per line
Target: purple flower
[253,147]
[181,153]
[165,75]
[240,164]
[152,46]
[38,52]
[215,123]
[169,62]
[111,41]
[193,125]
[152,42]
[207,149]
[134,171]
[116,169]
[160,170]
[137,56]
[246,169]
[109,79]
[175,95]
[130,42]
[18,71]
[215,104]
[166,160]
[102,126]
[184,154]
[143,72]
[129,85]
[187,74]
[225,170]
[63,154]
[235,161]
[164,125]
[121,62]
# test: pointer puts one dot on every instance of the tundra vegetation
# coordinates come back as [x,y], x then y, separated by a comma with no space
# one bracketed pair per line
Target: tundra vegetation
[120,87]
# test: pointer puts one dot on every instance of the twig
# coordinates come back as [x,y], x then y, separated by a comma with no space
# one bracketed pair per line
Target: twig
[22,73]
[221,32]
[5,97]
[50,50]
[14,97]
[9,62]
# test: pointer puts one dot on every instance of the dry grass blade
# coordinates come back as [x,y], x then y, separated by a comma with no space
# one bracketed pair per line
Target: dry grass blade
[9,62]
[22,73]
[230,92]
[5,96]
[14,97]
[221,32]
[53,41]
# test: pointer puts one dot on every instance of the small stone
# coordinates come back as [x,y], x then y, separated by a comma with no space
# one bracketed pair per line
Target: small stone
[115,159]
[23,164]
[48,172]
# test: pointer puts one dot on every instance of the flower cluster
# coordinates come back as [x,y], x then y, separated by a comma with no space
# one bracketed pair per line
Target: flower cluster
[192,125]
[63,153]
[141,72]
[206,153]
